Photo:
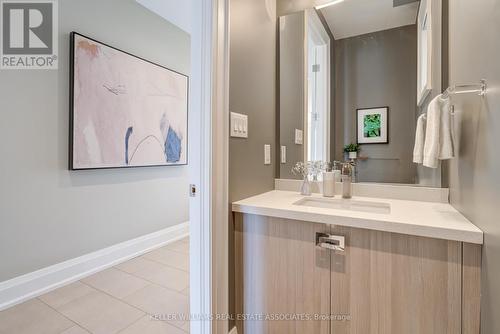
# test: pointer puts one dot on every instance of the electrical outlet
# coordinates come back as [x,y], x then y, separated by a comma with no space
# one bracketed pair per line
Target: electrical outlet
[267,154]
[299,137]
[239,125]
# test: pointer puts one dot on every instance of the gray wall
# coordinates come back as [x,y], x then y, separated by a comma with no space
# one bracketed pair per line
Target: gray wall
[375,70]
[252,91]
[474,50]
[49,214]
[291,90]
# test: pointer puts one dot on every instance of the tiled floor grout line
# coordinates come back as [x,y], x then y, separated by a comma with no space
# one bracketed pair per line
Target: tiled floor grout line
[174,250]
[157,285]
[163,264]
[72,321]
[153,283]
[116,298]
[125,302]
[160,286]
[147,315]
[121,330]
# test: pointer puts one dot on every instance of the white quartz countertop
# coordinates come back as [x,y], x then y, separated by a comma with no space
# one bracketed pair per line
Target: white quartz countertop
[435,220]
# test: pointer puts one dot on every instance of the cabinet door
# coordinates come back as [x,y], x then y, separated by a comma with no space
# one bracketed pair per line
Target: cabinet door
[280,273]
[391,284]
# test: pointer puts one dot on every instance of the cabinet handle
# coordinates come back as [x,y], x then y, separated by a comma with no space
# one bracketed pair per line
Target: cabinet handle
[330,241]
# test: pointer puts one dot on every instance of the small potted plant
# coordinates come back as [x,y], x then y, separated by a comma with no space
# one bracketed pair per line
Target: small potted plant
[352,150]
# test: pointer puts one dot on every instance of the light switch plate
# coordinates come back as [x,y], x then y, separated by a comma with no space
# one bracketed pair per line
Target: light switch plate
[239,125]
[283,154]
[299,137]
[267,154]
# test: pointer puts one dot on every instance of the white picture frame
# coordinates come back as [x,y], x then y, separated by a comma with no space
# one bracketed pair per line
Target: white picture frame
[382,135]
[424,51]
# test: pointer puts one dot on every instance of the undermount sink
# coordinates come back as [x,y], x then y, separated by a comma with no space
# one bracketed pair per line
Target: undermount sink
[345,204]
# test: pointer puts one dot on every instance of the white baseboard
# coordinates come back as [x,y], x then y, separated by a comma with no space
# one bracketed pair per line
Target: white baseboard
[36,283]
[234,330]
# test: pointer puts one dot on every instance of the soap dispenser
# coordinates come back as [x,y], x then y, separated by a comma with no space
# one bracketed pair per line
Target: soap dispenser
[336,171]
[328,181]
[346,176]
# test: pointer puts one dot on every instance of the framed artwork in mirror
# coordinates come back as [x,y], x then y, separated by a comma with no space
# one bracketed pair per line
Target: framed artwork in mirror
[125,111]
[372,125]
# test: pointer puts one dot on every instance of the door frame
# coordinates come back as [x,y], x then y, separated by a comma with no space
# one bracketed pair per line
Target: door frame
[313,22]
[208,156]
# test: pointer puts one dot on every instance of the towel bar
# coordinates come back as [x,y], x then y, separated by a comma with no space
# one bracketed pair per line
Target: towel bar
[480,89]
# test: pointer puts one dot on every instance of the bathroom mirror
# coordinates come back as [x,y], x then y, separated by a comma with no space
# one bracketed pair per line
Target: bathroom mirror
[349,74]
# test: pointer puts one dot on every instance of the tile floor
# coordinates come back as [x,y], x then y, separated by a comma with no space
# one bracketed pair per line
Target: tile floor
[117,300]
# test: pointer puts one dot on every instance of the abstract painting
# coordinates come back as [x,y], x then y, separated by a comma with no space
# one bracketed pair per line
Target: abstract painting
[125,111]
[372,125]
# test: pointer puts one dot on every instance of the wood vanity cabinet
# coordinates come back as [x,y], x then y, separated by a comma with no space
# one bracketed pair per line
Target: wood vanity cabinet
[382,283]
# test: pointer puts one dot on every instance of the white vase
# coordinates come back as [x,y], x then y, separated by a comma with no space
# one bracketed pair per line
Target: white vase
[305,189]
[353,155]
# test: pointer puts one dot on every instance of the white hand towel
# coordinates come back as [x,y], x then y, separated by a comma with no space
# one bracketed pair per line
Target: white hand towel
[446,150]
[418,150]
[431,147]
[438,138]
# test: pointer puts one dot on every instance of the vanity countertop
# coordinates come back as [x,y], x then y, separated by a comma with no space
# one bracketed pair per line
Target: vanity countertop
[434,220]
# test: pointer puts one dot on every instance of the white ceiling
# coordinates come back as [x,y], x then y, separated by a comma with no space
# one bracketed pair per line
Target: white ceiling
[357,17]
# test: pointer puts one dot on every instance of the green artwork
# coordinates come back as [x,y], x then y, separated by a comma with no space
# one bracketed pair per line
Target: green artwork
[372,125]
